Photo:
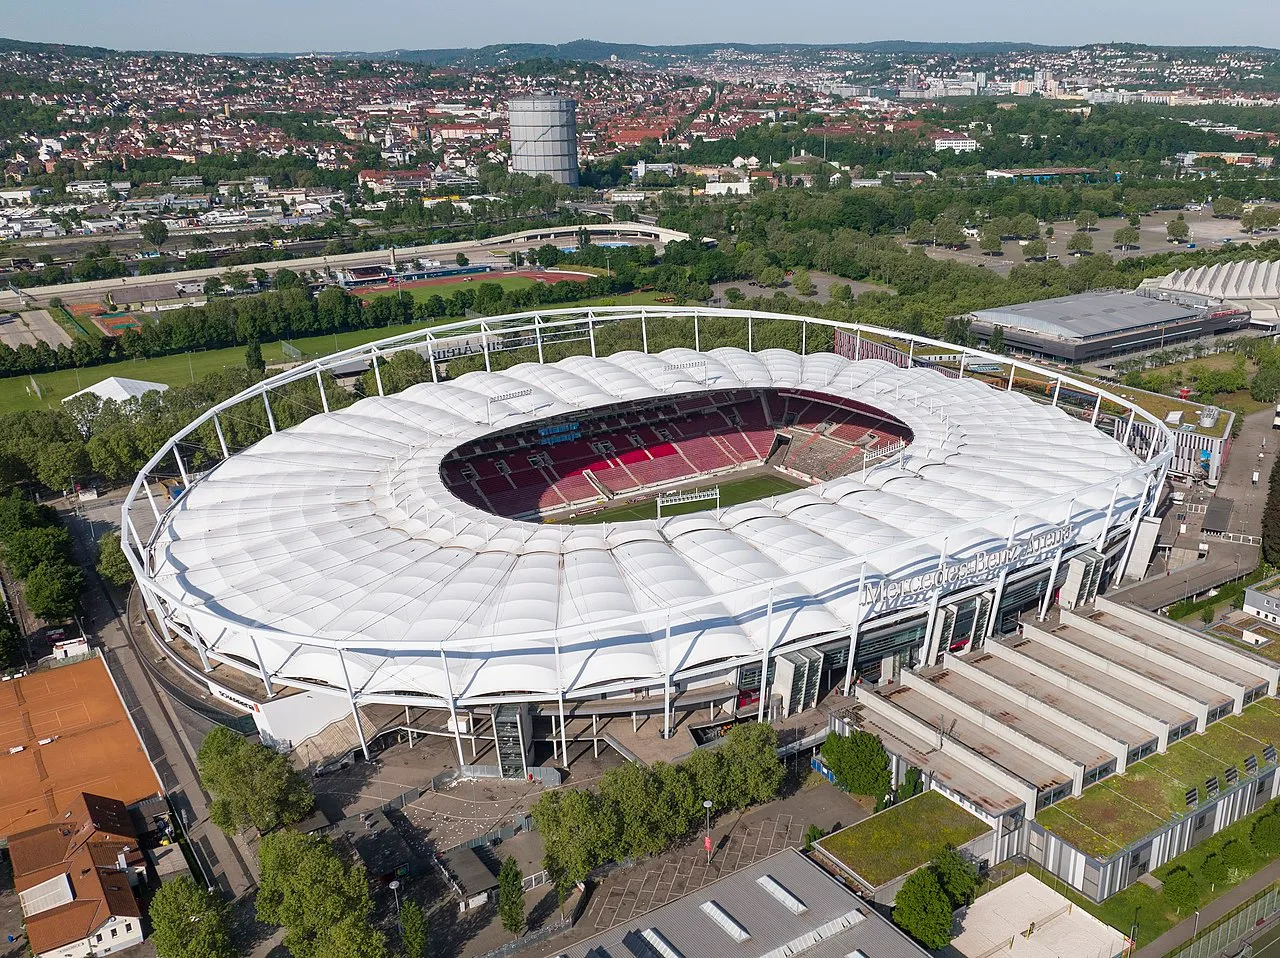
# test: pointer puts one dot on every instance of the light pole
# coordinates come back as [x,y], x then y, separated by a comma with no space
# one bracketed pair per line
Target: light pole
[395,890]
[707,840]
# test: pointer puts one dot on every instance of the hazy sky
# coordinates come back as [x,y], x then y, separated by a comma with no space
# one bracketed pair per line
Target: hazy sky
[302,25]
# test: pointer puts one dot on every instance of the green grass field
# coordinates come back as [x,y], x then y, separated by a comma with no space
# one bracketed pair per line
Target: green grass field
[731,493]
[902,837]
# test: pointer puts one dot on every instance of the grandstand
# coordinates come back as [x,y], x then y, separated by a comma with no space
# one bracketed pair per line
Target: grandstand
[634,450]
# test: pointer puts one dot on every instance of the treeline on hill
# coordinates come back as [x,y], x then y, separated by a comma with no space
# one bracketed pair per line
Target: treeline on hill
[286,312]
[1108,137]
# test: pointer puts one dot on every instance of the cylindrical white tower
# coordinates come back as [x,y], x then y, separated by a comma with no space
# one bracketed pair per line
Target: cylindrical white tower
[544,137]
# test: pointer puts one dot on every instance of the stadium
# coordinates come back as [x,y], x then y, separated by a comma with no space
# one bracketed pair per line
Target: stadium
[850,503]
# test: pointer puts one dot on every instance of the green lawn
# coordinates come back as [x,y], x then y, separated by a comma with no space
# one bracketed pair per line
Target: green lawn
[902,837]
[731,493]
[1117,811]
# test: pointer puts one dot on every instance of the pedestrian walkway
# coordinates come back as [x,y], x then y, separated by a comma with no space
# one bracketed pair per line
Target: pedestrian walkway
[1224,904]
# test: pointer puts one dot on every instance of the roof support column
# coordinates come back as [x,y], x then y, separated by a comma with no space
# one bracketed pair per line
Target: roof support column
[857,345]
[1097,408]
[155,509]
[484,345]
[666,683]
[911,355]
[271,418]
[1053,569]
[431,361]
[1057,388]
[1106,523]
[377,373]
[537,336]
[222,440]
[453,712]
[262,667]
[857,627]
[929,644]
[1128,428]
[804,337]
[182,470]
[351,698]
[697,337]
[591,332]
[564,742]
[764,658]
[324,400]
[1012,369]
[963,357]
[644,333]
[994,617]
[750,338]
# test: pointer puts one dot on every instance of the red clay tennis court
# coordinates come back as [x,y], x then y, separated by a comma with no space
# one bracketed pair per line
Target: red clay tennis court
[90,745]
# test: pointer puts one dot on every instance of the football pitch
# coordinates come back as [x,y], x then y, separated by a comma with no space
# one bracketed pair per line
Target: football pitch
[732,493]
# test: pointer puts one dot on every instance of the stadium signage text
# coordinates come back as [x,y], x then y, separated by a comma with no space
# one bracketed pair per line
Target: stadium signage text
[893,591]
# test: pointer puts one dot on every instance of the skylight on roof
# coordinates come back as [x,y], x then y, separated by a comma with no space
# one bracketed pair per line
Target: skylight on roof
[658,942]
[780,892]
[728,924]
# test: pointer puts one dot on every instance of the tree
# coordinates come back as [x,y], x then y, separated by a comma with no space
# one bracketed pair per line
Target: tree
[947,232]
[253,360]
[1126,237]
[1080,242]
[26,549]
[1181,890]
[734,295]
[190,922]
[1036,249]
[577,830]
[60,464]
[802,282]
[1265,834]
[1086,220]
[155,233]
[1214,868]
[1178,230]
[922,910]
[989,241]
[957,875]
[1236,854]
[112,565]
[250,784]
[286,279]
[213,286]
[321,901]
[912,783]
[753,771]
[812,834]
[413,930]
[52,591]
[920,231]
[511,896]
[771,276]
[1228,206]
[1135,220]
[859,763]
[461,259]
[10,643]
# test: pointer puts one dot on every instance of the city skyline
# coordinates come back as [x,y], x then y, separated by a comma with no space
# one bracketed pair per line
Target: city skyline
[292,26]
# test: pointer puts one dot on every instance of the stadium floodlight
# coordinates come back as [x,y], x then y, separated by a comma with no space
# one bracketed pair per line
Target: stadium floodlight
[503,397]
[675,498]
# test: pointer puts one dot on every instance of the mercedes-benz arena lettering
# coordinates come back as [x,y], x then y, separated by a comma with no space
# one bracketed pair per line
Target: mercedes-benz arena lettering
[392,551]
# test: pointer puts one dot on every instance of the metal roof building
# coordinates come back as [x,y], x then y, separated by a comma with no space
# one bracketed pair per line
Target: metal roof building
[1100,323]
[783,905]
[1250,284]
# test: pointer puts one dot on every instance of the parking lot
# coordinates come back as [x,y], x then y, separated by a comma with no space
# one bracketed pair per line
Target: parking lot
[31,327]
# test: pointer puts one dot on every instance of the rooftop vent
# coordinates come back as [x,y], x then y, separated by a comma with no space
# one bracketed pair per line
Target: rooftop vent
[776,889]
[728,924]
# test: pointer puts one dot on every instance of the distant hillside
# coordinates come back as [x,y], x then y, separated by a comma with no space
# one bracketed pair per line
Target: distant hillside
[67,49]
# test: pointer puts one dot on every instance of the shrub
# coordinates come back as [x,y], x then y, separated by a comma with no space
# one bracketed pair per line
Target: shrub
[859,763]
[812,834]
[1214,868]
[922,910]
[1265,835]
[1236,854]
[1181,890]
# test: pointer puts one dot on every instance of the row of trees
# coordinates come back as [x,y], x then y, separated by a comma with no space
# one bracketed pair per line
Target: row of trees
[37,550]
[639,811]
[251,784]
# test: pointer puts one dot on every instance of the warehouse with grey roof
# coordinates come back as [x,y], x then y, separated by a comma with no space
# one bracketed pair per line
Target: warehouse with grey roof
[1101,323]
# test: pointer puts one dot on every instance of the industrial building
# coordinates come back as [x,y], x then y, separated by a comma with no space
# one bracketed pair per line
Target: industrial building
[1096,325]
[780,905]
[544,137]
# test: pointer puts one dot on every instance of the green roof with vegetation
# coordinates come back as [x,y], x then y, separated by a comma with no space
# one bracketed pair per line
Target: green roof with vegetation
[902,837]
[1117,811]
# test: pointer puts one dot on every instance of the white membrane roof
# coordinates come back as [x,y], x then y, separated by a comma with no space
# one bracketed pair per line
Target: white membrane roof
[341,529]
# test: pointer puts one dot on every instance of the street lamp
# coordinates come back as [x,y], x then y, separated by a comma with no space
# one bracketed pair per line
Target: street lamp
[395,890]
[707,840]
